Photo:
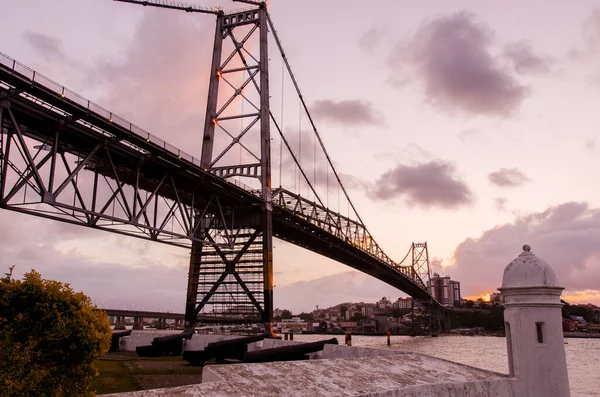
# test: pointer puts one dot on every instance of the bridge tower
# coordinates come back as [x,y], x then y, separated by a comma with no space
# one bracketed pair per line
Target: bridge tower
[230,275]
[234,281]
[420,263]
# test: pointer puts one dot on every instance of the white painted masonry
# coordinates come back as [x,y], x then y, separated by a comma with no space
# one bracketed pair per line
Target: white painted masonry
[533,322]
[535,346]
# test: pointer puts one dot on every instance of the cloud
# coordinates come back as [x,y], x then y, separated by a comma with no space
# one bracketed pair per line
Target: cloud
[466,135]
[582,296]
[436,265]
[432,184]
[351,286]
[590,143]
[567,236]
[591,31]
[370,40]
[452,57]
[507,177]
[591,39]
[525,60]
[500,204]
[346,112]
[49,47]
[129,274]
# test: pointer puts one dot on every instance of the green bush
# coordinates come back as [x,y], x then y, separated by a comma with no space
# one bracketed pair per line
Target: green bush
[49,338]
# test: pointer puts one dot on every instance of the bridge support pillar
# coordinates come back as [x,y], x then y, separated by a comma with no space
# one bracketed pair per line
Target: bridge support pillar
[231,263]
[120,323]
[138,323]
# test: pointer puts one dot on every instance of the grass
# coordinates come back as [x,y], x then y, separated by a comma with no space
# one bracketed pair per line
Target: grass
[125,372]
[113,377]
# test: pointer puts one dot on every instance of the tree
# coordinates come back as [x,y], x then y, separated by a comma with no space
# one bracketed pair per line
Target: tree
[357,317]
[308,317]
[286,314]
[400,312]
[49,338]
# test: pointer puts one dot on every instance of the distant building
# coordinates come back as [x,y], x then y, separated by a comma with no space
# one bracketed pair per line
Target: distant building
[444,290]
[348,325]
[368,325]
[496,298]
[384,303]
[367,310]
[403,303]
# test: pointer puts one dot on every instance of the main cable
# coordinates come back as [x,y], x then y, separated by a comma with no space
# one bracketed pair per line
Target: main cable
[310,118]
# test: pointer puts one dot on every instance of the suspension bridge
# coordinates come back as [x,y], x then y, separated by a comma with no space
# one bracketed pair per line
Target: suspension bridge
[65,158]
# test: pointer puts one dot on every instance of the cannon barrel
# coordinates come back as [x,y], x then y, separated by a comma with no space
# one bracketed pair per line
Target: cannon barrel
[114,341]
[287,353]
[221,350]
[168,345]
[170,338]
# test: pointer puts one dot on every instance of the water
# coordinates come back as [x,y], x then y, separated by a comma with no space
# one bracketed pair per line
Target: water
[489,353]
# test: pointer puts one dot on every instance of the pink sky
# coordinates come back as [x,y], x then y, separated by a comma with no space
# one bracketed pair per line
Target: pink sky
[467,125]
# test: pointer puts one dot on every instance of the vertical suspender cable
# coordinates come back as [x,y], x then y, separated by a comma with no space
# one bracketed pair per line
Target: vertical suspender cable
[314,127]
[299,145]
[282,126]
[315,163]
[241,118]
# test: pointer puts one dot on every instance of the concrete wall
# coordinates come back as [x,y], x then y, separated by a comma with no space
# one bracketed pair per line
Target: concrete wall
[141,338]
[343,351]
[490,388]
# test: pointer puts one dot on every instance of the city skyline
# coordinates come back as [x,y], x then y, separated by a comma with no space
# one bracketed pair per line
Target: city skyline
[478,149]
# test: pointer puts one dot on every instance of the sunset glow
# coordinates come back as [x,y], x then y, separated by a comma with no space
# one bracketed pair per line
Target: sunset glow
[486,297]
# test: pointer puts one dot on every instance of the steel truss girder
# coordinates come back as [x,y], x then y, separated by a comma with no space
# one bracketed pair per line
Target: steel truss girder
[228,282]
[97,191]
[338,225]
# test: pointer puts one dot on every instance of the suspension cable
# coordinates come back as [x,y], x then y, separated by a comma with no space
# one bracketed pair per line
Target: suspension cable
[270,22]
[282,125]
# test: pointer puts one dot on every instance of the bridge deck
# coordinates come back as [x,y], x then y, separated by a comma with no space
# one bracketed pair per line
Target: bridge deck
[88,131]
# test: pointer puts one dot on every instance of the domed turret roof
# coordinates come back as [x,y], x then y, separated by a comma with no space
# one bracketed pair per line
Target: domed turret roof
[527,270]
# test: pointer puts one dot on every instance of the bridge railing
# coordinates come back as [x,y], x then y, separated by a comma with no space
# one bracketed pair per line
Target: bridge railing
[344,228]
[64,93]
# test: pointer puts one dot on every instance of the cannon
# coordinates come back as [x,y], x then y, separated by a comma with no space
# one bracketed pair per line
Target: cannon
[234,349]
[287,353]
[168,345]
[114,341]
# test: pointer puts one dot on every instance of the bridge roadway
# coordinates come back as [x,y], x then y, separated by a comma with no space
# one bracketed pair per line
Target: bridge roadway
[164,316]
[143,314]
[41,107]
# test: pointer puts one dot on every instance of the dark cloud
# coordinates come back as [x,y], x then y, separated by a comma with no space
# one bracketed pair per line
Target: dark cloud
[432,184]
[49,47]
[451,56]
[567,236]
[346,112]
[525,60]
[507,177]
